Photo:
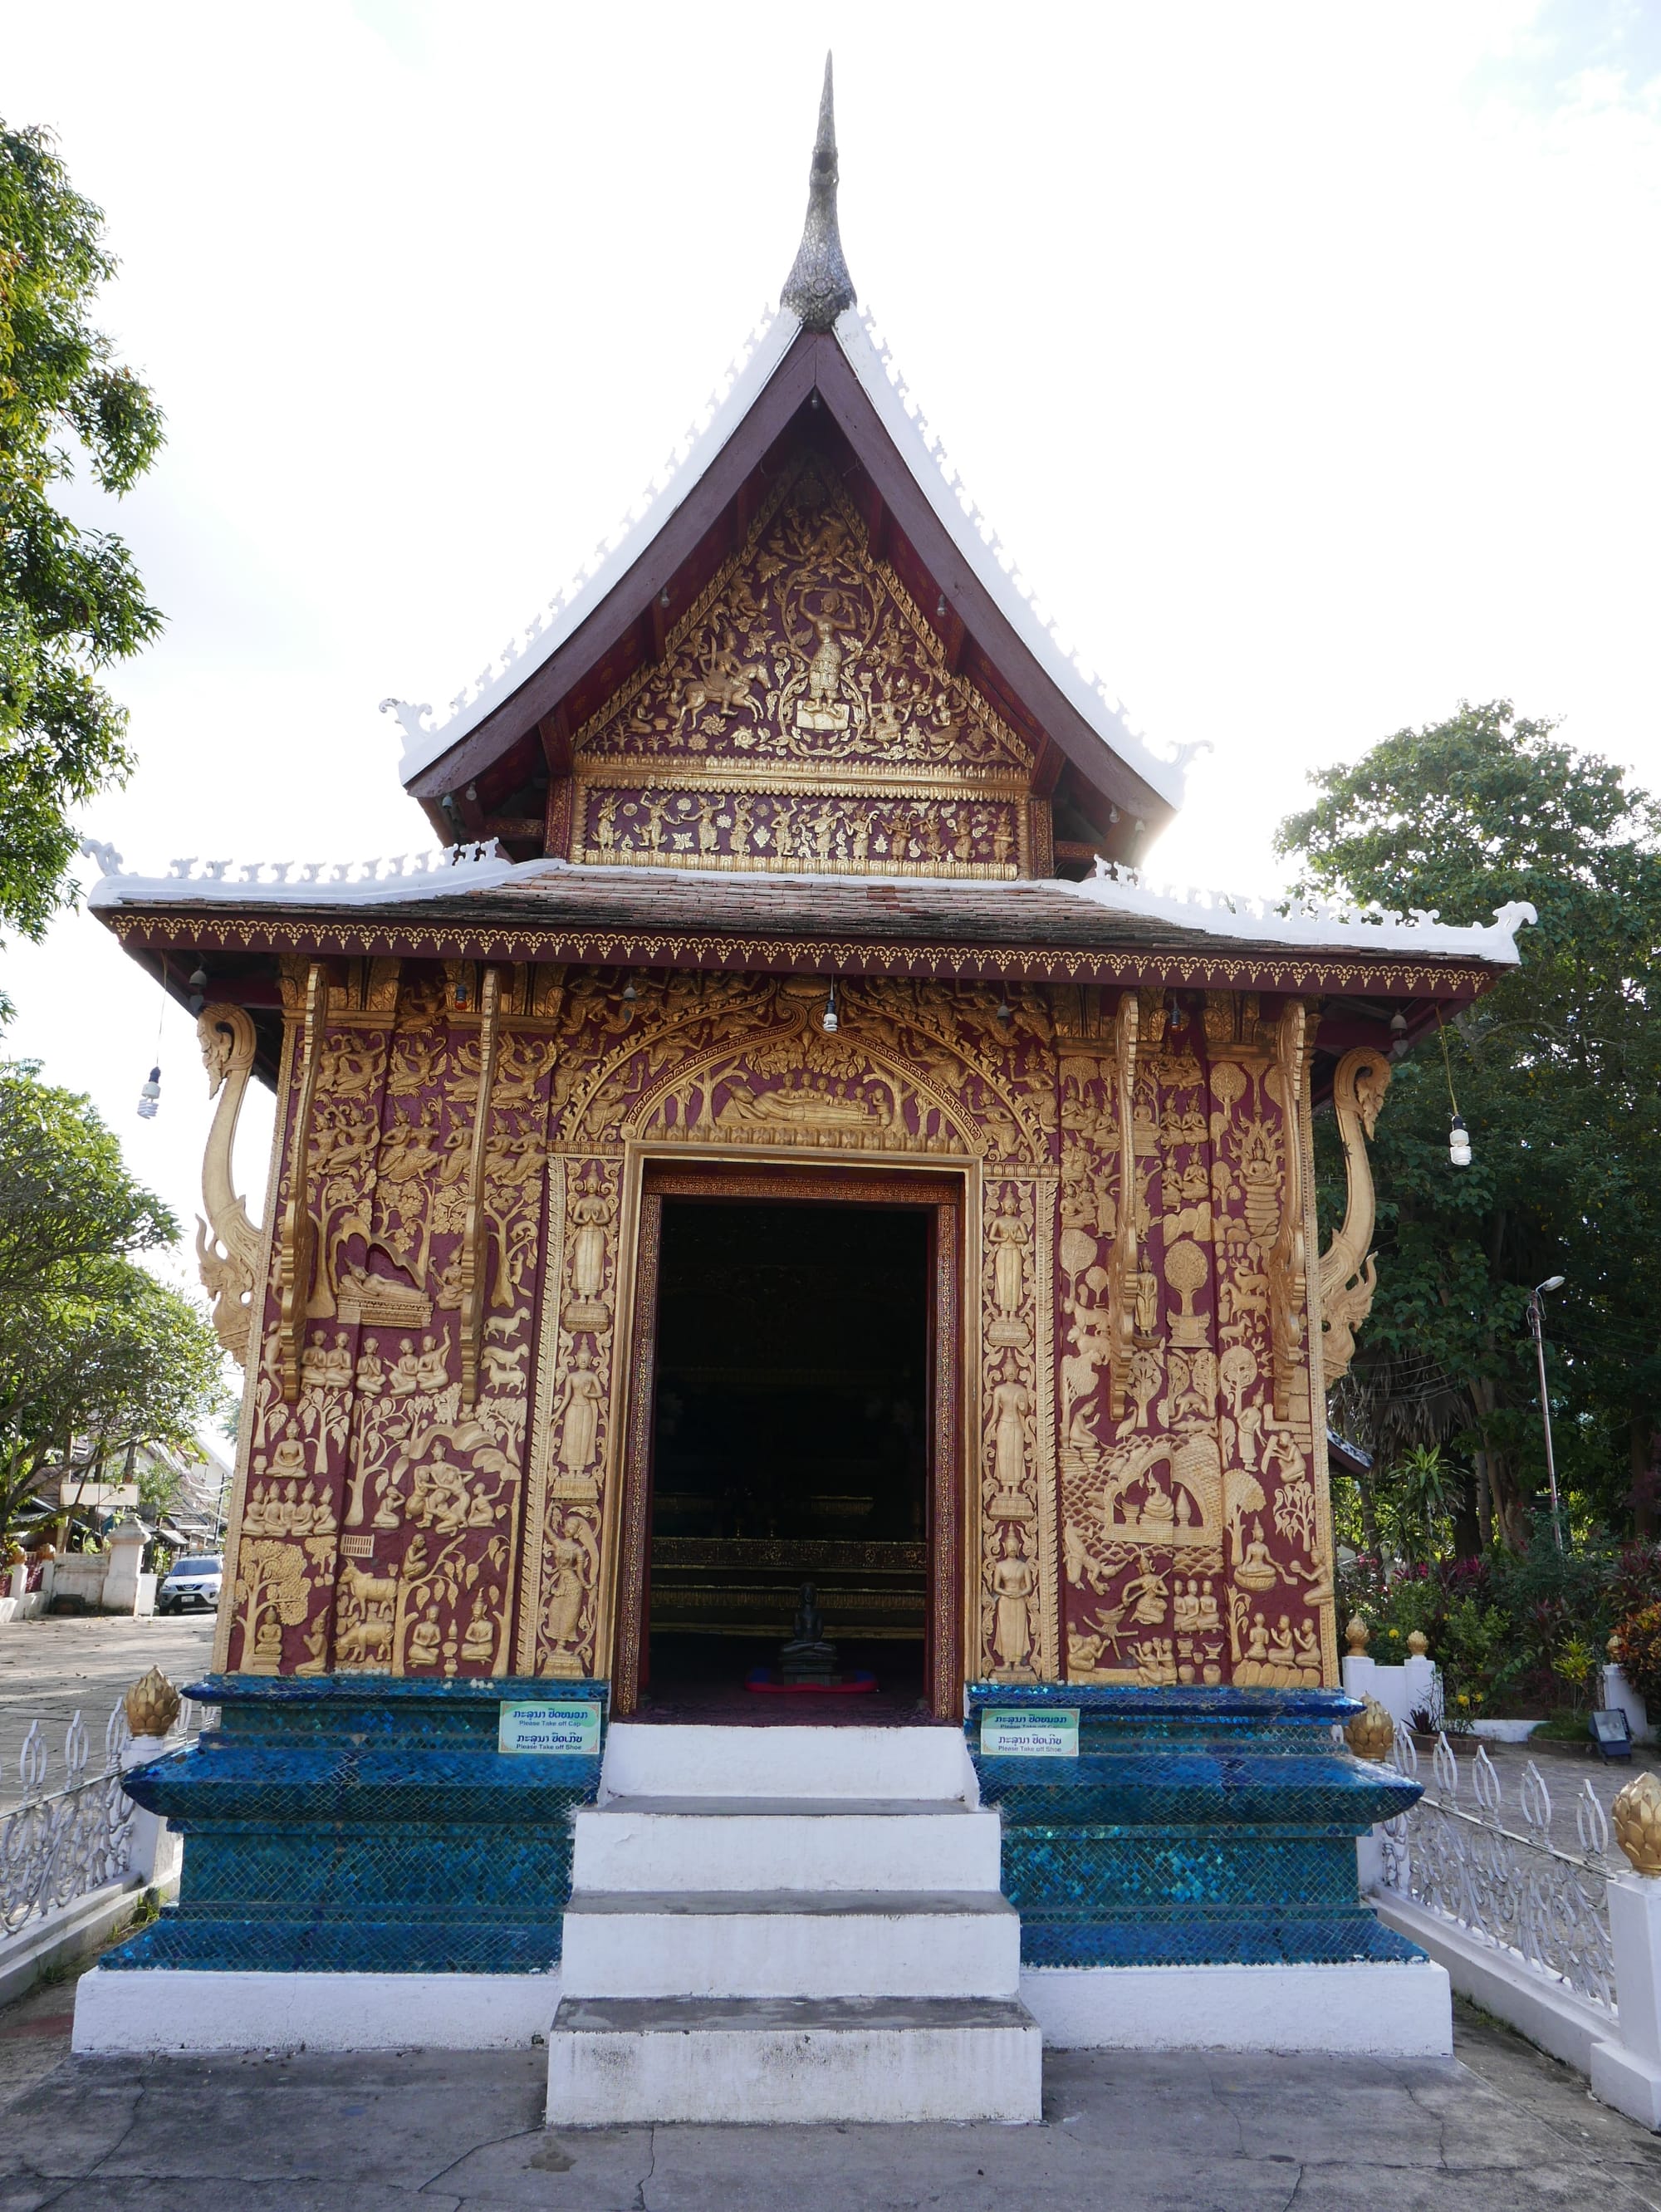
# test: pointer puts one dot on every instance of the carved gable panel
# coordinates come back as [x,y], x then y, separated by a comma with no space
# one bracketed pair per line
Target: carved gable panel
[804,715]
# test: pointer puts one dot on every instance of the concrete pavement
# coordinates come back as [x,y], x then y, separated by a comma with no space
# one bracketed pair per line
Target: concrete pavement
[1498,2128]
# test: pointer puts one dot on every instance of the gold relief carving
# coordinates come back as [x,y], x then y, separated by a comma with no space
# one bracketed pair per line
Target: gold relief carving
[1287,1288]
[1125,1287]
[1346,1275]
[861,834]
[803,651]
[559,1616]
[475,1247]
[913,1067]
[227,1259]
[297,1249]
[1018,1635]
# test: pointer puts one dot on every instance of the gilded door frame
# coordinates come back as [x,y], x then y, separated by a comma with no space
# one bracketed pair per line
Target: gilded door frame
[650,1173]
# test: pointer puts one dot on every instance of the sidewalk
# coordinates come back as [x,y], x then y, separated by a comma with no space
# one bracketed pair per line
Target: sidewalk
[1499,2128]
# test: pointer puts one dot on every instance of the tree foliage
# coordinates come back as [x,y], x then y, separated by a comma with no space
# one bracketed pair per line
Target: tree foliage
[71,601]
[1557,1071]
[92,1346]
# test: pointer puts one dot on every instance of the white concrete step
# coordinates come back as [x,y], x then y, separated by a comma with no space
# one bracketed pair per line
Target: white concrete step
[647,1760]
[790,1943]
[633,2062]
[789,1843]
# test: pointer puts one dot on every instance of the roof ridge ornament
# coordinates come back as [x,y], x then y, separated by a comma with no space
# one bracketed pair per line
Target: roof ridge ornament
[818,286]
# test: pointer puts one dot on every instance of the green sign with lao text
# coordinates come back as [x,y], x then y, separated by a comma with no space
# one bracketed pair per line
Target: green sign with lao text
[1049,1735]
[570,1730]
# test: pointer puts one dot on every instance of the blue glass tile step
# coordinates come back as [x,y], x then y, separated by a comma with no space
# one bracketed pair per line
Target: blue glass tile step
[471,1867]
[214,1780]
[1047,1875]
[335,1948]
[1179,1787]
[319,1911]
[1182,1707]
[1330,1940]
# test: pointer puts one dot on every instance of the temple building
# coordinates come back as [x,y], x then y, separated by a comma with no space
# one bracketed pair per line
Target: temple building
[782,1501]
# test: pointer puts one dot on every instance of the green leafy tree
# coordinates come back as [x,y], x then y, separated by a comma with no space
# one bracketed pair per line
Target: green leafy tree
[1557,1070]
[71,601]
[94,1350]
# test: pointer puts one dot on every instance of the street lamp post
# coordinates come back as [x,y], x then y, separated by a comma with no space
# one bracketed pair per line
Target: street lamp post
[1536,1314]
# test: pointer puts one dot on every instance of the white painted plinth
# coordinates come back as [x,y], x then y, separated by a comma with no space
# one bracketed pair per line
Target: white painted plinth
[1546,2011]
[612,2064]
[157,2009]
[1382,2010]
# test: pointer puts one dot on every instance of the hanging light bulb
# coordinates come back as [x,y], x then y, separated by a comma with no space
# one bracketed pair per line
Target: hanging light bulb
[1458,1142]
[149,1096]
[828,1020]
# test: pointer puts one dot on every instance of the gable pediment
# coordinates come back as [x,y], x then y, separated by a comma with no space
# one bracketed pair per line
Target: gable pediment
[803,715]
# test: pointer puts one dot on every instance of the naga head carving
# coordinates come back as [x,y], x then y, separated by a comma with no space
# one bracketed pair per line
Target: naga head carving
[1373,1077]
[226,1035]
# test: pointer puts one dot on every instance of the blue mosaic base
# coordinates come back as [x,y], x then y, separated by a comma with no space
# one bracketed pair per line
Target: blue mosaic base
[353,1824]
[1195,1827]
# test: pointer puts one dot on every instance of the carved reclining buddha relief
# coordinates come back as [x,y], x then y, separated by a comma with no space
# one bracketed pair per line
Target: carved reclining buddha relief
[435,1456]
[804,716]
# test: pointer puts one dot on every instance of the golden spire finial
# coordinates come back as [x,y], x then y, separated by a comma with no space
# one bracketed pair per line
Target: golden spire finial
[818,286]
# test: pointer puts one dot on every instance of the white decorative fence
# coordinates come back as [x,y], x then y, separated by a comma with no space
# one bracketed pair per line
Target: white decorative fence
[1493,1869]
[65,1851]
[1563,1944]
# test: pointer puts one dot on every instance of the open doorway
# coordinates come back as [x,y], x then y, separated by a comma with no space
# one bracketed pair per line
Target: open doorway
[791,1443]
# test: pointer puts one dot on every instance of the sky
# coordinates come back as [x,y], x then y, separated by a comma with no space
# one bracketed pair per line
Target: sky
[1305,357]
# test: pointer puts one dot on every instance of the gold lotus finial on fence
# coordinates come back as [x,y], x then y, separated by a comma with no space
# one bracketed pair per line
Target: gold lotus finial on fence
[1372,1734]
[1636,1814]
[1355,1635]
[152,1704]
[1418,1644]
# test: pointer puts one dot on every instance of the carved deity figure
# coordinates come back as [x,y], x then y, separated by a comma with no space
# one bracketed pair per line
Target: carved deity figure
[580,1433]
[1011,1403]
[1007,1233]
[1015,1588]
[562,1613]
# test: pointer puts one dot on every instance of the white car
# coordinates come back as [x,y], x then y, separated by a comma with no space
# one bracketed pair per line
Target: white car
[190,1582]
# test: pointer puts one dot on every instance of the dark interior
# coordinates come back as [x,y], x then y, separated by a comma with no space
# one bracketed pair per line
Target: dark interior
[791,1446]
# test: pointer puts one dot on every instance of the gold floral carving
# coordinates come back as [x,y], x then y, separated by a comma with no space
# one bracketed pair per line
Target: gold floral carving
[1122,1270]
[297,1251]
[228,1244]
[1347,1274]
[475,1247]
[1288,1288]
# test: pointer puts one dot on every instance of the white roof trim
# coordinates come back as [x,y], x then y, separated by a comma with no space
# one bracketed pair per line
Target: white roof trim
[938,481]
[612,558]
[1010,591]
[452,868]
[1311,923]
